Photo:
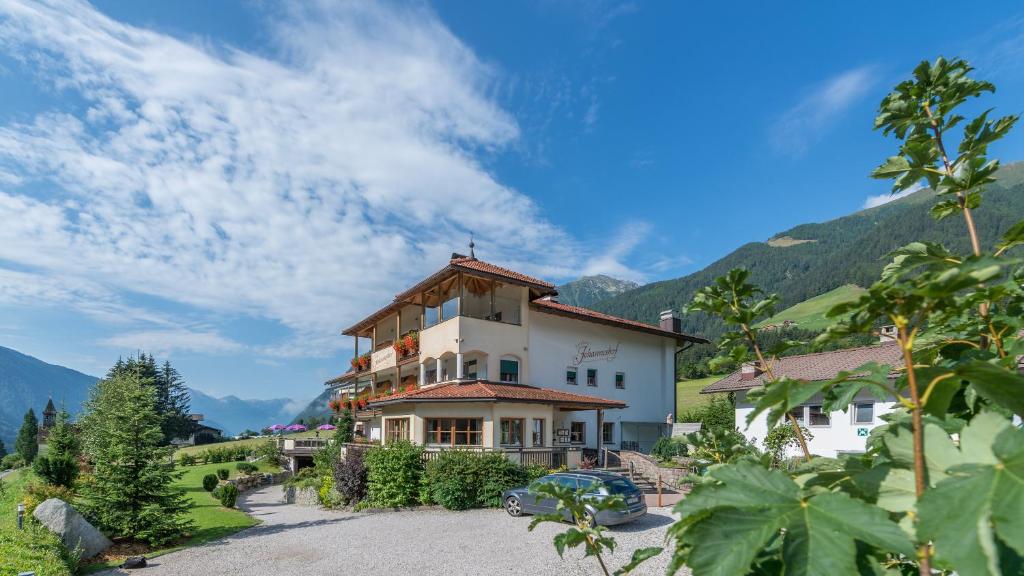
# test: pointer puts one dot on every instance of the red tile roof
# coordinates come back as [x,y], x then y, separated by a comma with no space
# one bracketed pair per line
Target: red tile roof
[485,391]
[468,263]
[817,366]
[554,307]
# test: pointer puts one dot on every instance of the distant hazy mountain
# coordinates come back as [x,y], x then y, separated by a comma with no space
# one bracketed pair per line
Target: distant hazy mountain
[591,289]
[27,382]
[317,407]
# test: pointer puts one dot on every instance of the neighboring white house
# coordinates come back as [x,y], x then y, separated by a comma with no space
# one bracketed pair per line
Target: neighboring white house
[834,433]
[479,356]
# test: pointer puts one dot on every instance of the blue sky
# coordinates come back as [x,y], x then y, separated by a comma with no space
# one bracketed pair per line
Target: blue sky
[228,184]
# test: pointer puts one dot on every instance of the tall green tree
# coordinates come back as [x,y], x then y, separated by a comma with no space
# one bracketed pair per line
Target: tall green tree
[172,400]
[133,493]
[3,449]
[27,443]
[59,466]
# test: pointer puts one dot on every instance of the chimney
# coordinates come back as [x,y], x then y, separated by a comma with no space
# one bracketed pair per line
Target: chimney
[670,322]
[887,334]
[749,371]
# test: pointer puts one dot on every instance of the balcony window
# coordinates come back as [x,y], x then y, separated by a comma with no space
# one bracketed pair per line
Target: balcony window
[509,370]
[512,432]
[469,369]
[570,376]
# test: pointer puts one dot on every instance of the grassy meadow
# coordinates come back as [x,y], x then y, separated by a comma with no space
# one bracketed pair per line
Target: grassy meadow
[810,314]
[688,394]
[248,442]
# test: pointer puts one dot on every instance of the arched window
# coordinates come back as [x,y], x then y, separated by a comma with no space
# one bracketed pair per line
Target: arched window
[509,371]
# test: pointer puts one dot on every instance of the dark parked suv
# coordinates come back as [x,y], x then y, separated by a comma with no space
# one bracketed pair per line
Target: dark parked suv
[519,501]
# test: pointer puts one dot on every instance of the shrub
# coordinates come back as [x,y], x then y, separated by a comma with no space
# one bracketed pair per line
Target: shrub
[459,480]
[209,482]
[393,475]
[12,461]
[228,495]
[350,477]
[246,467]
[666,449]
[37,493]
[533,472]
[718,415]
[268,451]
[304,478]
[327,494]
[188,459]
[217,491]
[780,440]
[223,473]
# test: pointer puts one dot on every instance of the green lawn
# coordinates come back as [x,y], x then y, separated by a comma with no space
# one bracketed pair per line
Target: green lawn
[248,442]
[33,549]
[212,520]
[810,314]
[688,394]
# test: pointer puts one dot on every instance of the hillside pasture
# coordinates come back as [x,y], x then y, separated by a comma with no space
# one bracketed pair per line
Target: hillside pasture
[247,442]
[810,314]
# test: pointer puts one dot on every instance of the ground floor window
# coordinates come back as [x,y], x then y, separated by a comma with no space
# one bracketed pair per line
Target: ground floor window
[396,429]
[577,432]
[863,413]
[538,432]
[455,431]
[512,431]
[608,432]
[812,415]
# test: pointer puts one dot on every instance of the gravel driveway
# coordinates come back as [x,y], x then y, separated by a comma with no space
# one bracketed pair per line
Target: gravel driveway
[310,542]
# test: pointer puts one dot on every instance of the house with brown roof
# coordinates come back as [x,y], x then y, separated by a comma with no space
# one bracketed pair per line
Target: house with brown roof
[833,432]
[479,356]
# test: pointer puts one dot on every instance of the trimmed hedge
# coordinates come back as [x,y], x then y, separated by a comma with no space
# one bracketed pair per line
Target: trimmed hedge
[459,479]
[223,473]
[228,495]
[210,482]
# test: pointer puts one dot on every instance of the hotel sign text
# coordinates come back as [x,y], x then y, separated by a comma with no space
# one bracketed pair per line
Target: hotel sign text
[586,352]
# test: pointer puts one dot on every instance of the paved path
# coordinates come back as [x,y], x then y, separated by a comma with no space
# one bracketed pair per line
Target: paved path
[310,542]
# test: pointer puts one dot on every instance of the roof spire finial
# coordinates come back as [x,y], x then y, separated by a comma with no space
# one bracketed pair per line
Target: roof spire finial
[471,246]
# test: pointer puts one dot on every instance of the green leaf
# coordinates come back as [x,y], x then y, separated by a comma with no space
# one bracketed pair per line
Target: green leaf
[781,396]
[973,517]
[1013,237]
[639,556]
[893,167]
[915,255]
[743,507]
[1000,385]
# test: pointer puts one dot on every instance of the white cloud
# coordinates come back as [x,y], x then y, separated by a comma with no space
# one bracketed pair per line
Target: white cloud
[303,186]
[165,342]
[873,201]
[804,124]
[609,259]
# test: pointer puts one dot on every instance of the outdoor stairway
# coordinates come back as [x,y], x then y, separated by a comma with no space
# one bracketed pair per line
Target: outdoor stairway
[645,484]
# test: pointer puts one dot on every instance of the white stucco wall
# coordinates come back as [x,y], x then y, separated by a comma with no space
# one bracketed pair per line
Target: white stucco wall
[839,436]
[648,362]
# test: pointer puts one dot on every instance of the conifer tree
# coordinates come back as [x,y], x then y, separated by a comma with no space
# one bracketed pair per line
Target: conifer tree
[173,403]
[132,494]
[3,449]
[59,466]
[27,443]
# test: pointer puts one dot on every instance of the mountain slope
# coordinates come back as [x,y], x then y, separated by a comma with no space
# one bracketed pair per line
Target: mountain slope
[317,407]
[810,314]
[27,382]
[590,289]
[847,250]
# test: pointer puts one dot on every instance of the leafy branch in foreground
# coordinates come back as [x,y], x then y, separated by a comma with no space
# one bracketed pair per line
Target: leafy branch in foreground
[581,507]
[916,500]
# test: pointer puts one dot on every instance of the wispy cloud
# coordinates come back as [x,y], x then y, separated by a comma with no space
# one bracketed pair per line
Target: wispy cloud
[165,342]
[611,256]
[873,201]
[301,185]
[806,122]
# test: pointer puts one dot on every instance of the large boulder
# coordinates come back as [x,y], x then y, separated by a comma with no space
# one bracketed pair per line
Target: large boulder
[74,530]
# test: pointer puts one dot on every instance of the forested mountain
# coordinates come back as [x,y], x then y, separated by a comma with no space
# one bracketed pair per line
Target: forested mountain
[590,289]
[812,259]
[27,382]
[317,408]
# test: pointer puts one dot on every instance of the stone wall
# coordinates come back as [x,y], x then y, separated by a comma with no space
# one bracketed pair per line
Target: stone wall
[650,469]
[301,496]
[246,482]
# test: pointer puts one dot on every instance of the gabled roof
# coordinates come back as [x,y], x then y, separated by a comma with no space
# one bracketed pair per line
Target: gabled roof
[458,263]
[585,314]
[817,366]
[486,391]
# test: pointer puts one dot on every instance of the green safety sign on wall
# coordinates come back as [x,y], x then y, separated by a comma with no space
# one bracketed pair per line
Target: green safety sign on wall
[862,431]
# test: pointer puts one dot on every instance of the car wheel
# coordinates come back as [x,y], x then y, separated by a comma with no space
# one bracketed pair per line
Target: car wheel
[591,519]
[513,506]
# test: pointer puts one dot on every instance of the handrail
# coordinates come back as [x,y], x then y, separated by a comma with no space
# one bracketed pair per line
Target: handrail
[607,453]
